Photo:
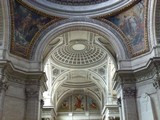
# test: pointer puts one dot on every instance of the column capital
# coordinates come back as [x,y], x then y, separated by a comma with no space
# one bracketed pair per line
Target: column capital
[129,92]
[3,86]
[31,93]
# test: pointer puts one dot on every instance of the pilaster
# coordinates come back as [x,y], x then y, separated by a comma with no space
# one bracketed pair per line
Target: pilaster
[126,90]
[21,91]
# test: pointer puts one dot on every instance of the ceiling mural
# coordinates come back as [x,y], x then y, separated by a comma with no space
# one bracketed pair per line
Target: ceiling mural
[133,23]
[26,26]
[77,2]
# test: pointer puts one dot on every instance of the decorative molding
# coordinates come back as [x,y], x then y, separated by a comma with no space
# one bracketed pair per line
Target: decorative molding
[129,92]
[3,86]
[31,93]
[156,82]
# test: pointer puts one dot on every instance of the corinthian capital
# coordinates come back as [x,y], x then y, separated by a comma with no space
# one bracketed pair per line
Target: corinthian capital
[3,86]
[31,92]
[129,92]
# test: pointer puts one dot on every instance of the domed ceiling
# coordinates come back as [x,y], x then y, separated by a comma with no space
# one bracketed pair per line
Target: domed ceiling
[79,53]
[80,7]
[78,49]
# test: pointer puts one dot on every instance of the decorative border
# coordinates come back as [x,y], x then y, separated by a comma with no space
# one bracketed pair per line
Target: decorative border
[26,51]
[127,41]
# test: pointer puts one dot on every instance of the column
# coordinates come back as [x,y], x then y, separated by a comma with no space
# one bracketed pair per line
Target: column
[128,103]
[32,103]
[124,84]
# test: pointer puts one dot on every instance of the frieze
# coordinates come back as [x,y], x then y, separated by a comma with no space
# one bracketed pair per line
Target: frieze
[148,74]
[152,71]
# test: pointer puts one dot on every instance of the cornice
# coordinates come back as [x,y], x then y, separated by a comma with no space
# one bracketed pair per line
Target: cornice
[13,74]
[151,70]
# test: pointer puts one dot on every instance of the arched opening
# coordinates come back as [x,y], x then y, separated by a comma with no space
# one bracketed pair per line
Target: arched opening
[80,67]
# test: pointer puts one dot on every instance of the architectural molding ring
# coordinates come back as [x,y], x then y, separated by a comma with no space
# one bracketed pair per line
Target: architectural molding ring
[105,30]
[91,9]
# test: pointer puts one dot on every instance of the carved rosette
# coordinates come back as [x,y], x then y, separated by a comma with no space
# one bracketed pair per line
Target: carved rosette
[31,93]
[3,86]
[129,92]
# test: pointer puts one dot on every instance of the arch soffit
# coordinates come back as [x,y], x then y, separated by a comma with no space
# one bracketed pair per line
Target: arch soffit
[103,29]
[98,80]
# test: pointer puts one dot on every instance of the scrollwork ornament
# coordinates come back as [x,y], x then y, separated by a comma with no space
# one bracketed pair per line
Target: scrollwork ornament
[129,92]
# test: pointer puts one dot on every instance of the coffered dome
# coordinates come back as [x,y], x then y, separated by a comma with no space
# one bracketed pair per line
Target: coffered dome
[79,54]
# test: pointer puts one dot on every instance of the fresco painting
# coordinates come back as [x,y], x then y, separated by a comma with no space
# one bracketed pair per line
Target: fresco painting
[65,106]
[79,103]
[26,24]
[132,25]
[92,105]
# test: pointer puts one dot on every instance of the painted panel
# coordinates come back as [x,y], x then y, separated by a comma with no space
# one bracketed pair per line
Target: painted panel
[26,25]
[133,24]
[65,106]
[92,105]
[79,102]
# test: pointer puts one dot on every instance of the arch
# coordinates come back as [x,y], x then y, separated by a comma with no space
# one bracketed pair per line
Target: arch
[63,77]
[105,30]
[71,93]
